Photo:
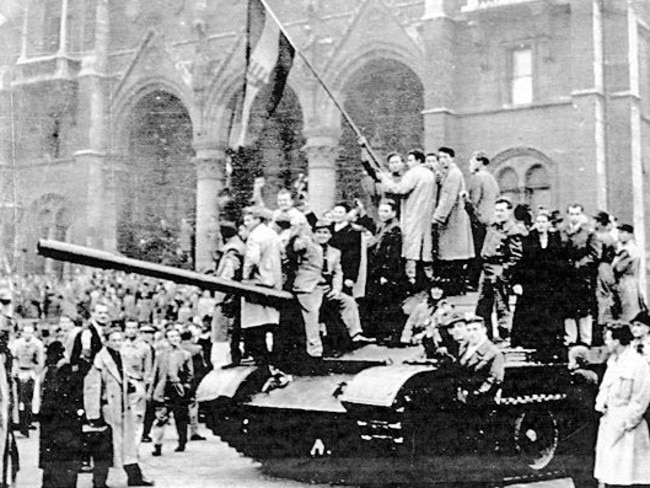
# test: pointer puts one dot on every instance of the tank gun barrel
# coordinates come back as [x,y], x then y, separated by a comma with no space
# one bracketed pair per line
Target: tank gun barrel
[87,256]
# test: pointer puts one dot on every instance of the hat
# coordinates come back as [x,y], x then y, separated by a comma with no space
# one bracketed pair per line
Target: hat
[323,224]
[642,318]
[148,328]
[602,217]
[453,319]
[471,319]
[626,228]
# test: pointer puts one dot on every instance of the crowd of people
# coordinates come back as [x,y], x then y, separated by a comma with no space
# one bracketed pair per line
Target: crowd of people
[129,351]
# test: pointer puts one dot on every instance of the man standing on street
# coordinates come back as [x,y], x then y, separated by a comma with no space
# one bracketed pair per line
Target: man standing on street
[108,402]
[172,383]
[29,355]
[138,362]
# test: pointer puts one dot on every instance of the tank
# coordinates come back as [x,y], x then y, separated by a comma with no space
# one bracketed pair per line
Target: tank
[381,415]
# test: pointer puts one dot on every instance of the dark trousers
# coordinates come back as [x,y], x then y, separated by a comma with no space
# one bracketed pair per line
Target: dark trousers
[493,290]
[476,264]
[25,396]
[149,417]
[64,477]
[178,407]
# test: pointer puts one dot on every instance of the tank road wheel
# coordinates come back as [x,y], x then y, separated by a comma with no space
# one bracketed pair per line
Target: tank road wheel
[536,437]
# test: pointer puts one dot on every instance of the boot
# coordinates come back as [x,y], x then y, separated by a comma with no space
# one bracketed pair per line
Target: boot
[100,474]
[157,450]
[181,447]
[135,477]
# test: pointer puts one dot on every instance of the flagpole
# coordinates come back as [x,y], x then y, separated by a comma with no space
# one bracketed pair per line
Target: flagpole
[362,140]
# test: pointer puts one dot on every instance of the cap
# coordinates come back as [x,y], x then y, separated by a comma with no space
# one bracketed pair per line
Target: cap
[453,319]
[626,228]
[147,328]
[642,318]
[474,319]
[602,217]
[322,224]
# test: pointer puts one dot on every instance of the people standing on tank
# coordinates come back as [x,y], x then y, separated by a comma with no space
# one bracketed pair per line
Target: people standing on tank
[626,266]
[418,190]
[226,321]
[581,250]
[263,267]
[623,442]
[348,241]
[501,253]
[605,282]
[536,322]
[483,191]
[385,280]
[455,245]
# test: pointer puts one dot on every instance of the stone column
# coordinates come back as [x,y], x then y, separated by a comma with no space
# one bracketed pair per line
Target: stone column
[210,176]
[321,148]
[439,36]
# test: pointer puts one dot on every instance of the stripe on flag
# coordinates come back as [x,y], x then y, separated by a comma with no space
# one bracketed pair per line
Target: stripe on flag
[269,56]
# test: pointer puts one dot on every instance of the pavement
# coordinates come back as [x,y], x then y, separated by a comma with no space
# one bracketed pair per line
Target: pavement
[204,464]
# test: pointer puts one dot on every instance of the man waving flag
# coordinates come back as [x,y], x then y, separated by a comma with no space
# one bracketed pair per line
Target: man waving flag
[269,56]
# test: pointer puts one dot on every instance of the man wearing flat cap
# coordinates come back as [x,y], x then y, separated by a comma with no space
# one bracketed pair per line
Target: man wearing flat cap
[626,266]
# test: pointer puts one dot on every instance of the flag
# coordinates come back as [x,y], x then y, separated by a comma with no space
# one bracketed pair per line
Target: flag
[269,56]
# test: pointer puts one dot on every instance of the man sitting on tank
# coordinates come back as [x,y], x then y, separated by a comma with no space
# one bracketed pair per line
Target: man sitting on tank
[331,285]
[452,337]
[481,365]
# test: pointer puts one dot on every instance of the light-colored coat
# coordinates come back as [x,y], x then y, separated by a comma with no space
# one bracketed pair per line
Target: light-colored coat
[263,267]
[105,397]
[623,445]
[626,266]
[454,228]
[483,193]
[418,185]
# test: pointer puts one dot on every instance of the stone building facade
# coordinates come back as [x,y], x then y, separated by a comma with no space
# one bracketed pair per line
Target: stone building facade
[116,115]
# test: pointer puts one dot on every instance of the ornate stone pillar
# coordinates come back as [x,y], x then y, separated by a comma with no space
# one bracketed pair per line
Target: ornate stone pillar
[209,176]
[322,148]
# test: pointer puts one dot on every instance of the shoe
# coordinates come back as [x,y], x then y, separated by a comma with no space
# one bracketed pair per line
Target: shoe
[140,482]
[278,380]
[86,468]
[360,339]
[234,364]
[197,437]
[157,450]
[146,438]
[180,448]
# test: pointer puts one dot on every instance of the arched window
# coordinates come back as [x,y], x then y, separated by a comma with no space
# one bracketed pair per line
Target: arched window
[523,175]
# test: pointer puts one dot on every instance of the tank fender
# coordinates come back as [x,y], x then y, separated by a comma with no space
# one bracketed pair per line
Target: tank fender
[220,383]
[379,386]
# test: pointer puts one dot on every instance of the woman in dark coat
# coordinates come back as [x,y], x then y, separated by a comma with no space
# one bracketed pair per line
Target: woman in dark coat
[61,443]
[385,283]
[537,323]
